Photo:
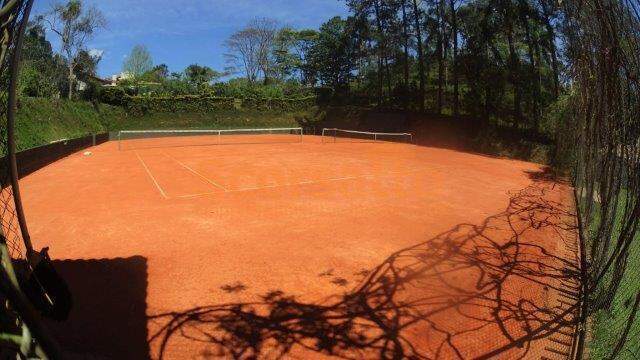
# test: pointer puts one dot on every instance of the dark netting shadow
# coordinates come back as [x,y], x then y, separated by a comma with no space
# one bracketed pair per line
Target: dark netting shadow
[474,291]
[108,319]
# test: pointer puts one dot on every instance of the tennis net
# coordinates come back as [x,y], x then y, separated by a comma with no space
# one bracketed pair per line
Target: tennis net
[341,135]
[140,139]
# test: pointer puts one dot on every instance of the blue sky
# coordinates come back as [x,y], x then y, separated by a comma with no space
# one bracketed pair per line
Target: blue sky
[183,32]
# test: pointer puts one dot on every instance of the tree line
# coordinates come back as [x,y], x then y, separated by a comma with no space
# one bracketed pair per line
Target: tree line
[493,59]
[490,58]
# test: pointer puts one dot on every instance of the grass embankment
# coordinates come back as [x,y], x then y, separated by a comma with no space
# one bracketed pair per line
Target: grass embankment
[223,119]
[41,121]
[608,325]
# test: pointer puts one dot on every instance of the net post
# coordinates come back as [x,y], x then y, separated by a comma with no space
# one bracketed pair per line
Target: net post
[375,137]
[301,135]
[219,137]
[93,139]
[120,140]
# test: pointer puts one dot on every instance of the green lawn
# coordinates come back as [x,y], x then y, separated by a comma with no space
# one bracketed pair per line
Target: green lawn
[608,325]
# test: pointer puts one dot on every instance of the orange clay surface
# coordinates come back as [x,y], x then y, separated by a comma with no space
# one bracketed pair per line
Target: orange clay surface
[306,250]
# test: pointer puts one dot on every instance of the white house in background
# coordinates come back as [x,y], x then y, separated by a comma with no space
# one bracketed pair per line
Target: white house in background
[115,79]
[82,86]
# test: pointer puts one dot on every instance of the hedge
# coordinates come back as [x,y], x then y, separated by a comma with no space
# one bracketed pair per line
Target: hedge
[266,104]
[178,104]
[202,103]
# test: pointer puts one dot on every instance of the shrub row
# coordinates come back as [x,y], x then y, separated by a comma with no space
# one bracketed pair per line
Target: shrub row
[178,104]
[203,103]
[266,104]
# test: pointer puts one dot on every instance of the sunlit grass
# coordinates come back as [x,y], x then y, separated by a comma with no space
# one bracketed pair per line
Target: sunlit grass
[41,121]
[608,325]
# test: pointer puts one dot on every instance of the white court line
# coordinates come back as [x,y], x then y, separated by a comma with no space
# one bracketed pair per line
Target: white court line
[197,173]
[307,182]
[151,176]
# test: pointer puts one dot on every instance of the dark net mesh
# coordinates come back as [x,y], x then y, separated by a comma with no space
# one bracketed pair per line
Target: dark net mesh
[12,16]
[602,40]
[23,335]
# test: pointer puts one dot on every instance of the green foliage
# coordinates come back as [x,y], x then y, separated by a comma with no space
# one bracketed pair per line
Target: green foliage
[34,83]
[558,121]
[174,86]
[160,72]
[114,96]
[139,105]
[86,65]
[607,322]
[204,103]
[43,73]
[199,75]
[41,121]
[92,92]
[176,94]
[74,23]
[332,57]
[281,105]
[222,119]
[242,88]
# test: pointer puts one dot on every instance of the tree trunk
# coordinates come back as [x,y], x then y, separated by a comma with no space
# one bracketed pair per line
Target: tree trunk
[380,81]
[552,48]
[71,80]
[405,63]
[454,33]
[380,53]
[442,54]
[421,66]
[405,35]
[386,67]
[532,50]
[487,91]
[513,62]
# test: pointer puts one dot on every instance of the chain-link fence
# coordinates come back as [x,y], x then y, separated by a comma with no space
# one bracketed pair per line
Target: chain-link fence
[21,333]
[602,43]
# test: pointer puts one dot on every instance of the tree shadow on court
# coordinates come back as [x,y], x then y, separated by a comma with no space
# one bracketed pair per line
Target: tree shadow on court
[474,291]
[108,318]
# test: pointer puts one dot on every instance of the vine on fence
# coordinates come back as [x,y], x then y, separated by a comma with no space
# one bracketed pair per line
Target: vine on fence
[603,51]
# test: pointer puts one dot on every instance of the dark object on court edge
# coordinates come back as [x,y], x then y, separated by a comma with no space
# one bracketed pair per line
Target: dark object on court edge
[47,290]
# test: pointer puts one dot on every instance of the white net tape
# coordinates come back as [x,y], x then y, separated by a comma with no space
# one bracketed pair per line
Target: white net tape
[135,139]
[338,135]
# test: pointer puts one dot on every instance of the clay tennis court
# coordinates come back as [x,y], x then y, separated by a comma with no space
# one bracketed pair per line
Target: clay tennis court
[306,250]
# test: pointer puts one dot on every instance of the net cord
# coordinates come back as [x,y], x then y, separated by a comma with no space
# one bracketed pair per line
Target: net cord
[374,134]
[203,131]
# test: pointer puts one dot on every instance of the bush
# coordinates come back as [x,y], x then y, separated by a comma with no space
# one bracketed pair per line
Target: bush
[34,84]
[139,105]
[92,92]
[238,93]
[114,96]
[276,104]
